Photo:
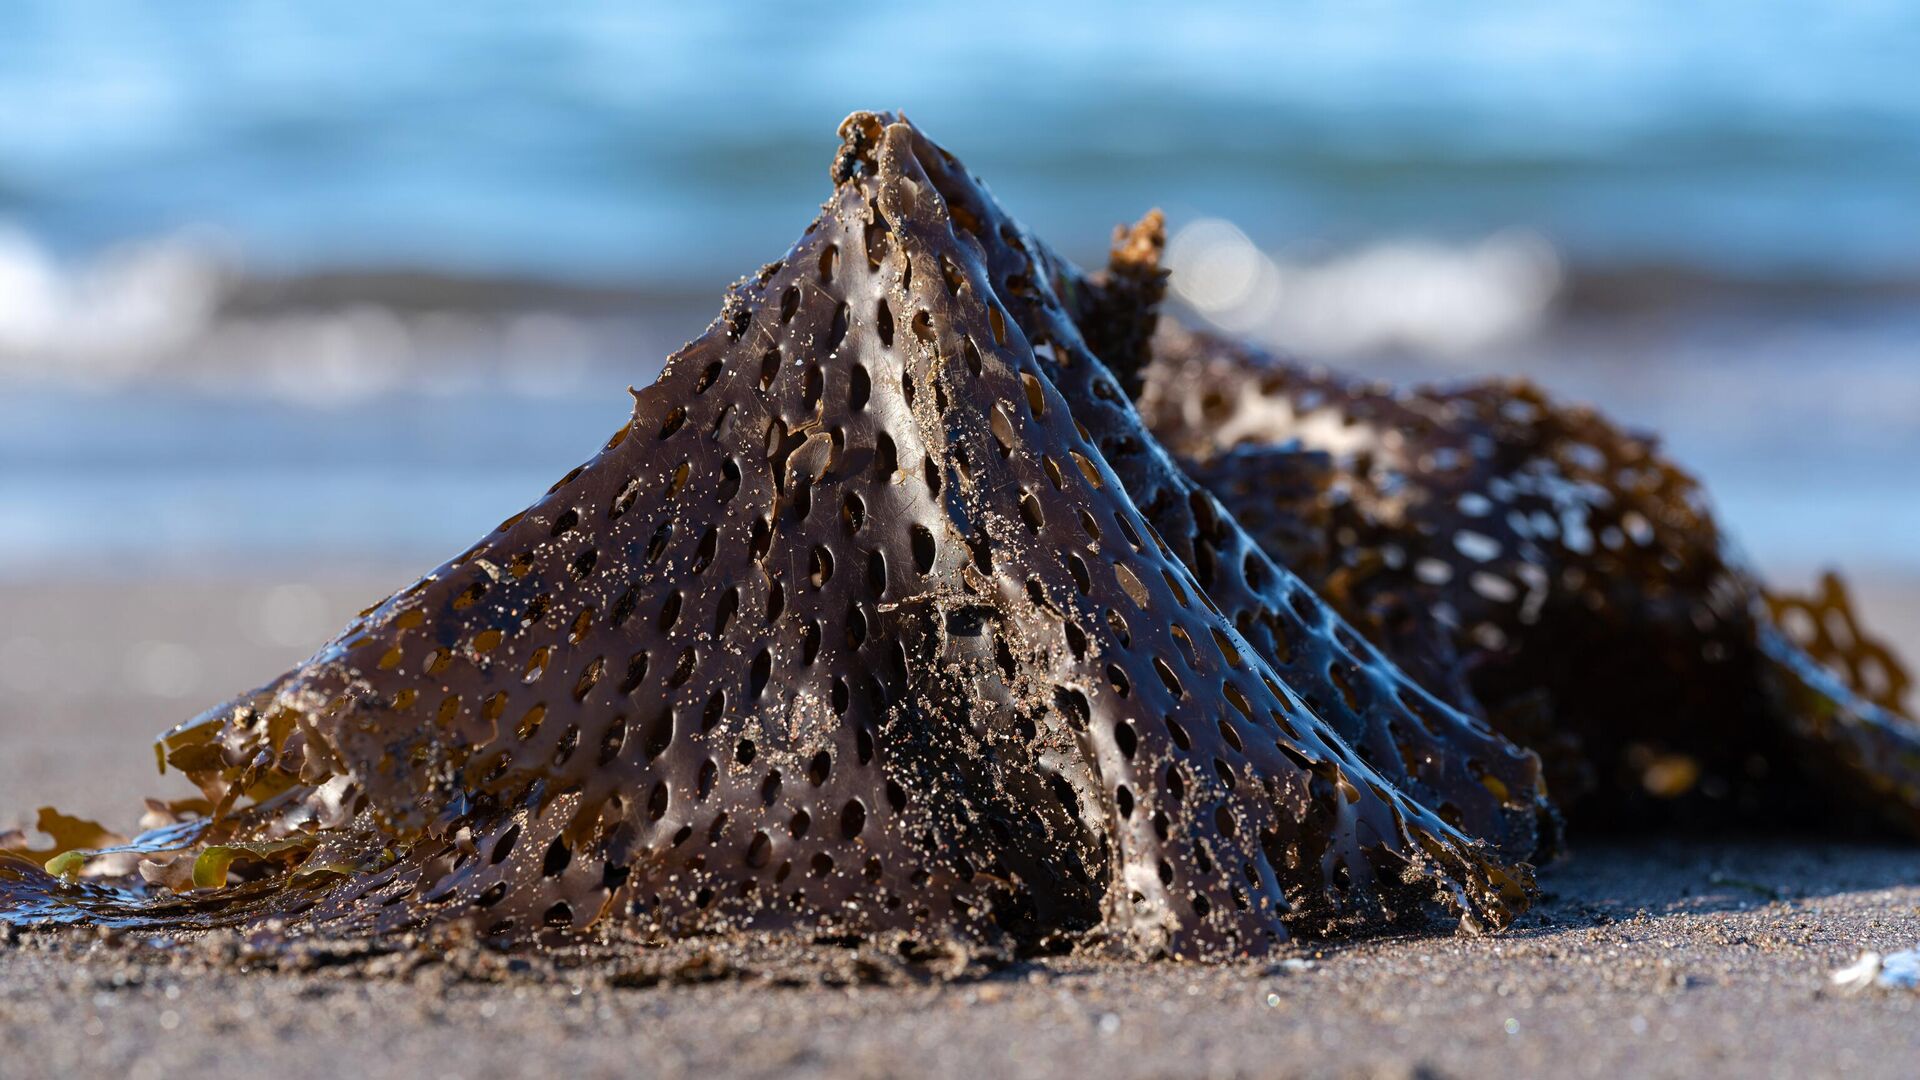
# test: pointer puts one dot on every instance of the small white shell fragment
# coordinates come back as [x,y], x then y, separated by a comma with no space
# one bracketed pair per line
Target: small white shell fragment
[1859,974]
[1895,971]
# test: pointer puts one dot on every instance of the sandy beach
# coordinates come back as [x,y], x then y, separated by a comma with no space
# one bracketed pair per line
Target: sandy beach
[1674,958]
[298,301]
[1659,957]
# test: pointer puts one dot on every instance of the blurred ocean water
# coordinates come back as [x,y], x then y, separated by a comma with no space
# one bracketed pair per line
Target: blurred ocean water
[653,141]
[356,280]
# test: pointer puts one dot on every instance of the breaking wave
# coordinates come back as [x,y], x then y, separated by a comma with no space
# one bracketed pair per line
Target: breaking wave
[185,311]
[1413,295]
[180,310]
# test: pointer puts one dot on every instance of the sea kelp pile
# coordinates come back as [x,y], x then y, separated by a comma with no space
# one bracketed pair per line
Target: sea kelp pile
[856,627]
[887,614]
[1536,564]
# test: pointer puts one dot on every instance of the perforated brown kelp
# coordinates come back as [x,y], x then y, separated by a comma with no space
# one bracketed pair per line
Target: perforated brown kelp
[1844,694]
[1477,780]
[1536,561]
[854,628]
[1824,626]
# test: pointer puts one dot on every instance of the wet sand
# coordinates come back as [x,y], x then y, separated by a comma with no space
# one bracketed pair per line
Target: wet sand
[1671,957]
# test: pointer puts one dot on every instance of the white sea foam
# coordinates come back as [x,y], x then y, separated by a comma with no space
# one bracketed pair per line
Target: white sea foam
[1419,296]
[108,318]
[158,312]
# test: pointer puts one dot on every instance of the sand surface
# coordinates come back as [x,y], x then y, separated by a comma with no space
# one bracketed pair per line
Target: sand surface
[1670,957]
[1665,959]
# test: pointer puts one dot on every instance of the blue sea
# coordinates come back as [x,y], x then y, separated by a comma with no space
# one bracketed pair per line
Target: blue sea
[354,281]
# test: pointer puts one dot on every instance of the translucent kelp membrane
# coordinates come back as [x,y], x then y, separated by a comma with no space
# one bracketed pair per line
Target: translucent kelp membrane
[1844,697]
[883,614]
[1536,562]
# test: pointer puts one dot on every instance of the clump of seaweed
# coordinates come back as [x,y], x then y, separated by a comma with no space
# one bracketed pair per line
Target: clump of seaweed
[892,617]
[883,615]
[1536,563]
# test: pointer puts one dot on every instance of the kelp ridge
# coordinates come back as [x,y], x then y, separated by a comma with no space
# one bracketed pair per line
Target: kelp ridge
[1477,781]
[855,628]
[1536,563]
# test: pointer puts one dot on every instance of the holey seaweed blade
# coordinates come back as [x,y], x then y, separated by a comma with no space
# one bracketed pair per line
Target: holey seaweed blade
[1534,558]
[851,630]
[1445,758]
[1841,694]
